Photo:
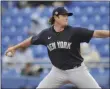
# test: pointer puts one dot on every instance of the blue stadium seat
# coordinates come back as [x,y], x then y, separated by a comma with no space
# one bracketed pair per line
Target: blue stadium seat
[39,51]
[6,40]
[94,71]
[77,11]
[100,76]
[3,50]
[104,51]
[19,21]
[96,41]
[100,11]
[33,81]
[88,11]
[104,10]
[99,43]
[17,39]
[45,12]
[9,33]
[10,73]
[26,13]
[13,83]
[71,20]
[90,3]
[7,22]
[12,12]
[105,27]
[91,26]
[4,4]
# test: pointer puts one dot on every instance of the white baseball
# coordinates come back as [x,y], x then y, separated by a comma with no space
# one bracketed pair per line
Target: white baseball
[9,54]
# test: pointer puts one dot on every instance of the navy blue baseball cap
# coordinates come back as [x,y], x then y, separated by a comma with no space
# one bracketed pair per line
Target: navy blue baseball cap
[61,11]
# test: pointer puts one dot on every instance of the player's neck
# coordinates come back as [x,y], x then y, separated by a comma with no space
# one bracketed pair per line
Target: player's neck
[58,28]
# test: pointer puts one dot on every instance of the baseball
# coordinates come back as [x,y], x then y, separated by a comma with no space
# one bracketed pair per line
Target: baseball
[9,54]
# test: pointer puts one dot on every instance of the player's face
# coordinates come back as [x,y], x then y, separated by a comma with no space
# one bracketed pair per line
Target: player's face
[62,20]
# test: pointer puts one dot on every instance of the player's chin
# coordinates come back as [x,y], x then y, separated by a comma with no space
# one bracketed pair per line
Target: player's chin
[64,24]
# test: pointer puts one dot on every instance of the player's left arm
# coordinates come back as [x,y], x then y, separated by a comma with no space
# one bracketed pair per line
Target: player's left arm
[101,33]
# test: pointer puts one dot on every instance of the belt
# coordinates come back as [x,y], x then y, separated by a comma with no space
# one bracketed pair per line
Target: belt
[70,67]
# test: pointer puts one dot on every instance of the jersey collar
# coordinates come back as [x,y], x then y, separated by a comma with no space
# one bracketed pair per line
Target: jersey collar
[58,32]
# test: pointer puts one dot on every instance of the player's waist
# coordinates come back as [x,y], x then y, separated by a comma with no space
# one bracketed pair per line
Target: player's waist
[68,66]
[71,67]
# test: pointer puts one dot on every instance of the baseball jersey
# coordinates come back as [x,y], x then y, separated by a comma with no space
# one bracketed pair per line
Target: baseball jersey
[63,47]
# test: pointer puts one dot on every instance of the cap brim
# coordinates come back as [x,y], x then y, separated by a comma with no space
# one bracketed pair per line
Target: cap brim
[70,14]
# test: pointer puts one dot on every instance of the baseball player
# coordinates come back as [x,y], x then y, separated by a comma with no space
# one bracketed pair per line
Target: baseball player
[63,43]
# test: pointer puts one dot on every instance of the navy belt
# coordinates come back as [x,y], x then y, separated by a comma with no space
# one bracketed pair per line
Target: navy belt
[71,67]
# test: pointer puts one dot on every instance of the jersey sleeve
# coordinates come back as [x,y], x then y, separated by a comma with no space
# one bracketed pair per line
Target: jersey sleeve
[38,39]
[84,35]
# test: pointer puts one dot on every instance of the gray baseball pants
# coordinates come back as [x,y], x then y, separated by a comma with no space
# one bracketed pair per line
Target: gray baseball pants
[80,77]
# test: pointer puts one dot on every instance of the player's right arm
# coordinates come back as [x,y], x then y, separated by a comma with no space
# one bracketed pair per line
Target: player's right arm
[34,40]
[26,43]
[101,33]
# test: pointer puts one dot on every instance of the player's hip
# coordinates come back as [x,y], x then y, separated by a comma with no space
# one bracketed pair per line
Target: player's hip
[75,68]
